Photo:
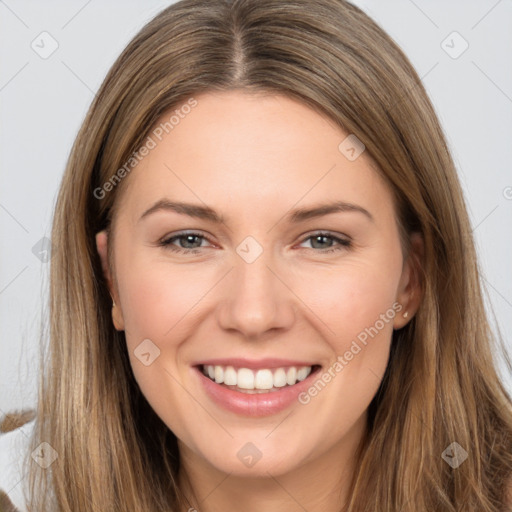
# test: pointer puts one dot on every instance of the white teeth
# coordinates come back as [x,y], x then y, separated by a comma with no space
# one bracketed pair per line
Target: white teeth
[291,376]
[279,378]
[264,379]
[219,375]
[245,378]
[230,378]
[303,373]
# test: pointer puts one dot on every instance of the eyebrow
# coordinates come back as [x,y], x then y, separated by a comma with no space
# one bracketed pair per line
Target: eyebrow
[293,217]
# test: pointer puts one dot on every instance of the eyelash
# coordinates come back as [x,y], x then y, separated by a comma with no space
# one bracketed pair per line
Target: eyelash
[342,243]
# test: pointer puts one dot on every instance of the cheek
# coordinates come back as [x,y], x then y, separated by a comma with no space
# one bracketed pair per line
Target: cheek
[353,298]
[160,302]
[157,297]
[358,305]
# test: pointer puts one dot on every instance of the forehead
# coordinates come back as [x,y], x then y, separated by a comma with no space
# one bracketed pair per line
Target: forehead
[249,152]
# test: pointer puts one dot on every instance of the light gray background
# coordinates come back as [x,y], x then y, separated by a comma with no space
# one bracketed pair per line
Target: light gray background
[43,102]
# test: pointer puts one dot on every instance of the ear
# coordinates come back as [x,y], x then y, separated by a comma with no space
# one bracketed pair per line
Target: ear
[102,248]
[410,287]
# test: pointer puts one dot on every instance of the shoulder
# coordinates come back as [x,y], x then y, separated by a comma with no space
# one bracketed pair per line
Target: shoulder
[15,432]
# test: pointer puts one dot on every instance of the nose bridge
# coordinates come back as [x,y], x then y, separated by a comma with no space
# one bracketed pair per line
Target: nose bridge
[255,300]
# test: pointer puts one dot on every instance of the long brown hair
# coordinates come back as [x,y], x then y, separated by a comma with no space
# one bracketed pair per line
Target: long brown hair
[441,385]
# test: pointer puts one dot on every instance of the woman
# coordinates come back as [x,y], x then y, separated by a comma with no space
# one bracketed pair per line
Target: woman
[265,293]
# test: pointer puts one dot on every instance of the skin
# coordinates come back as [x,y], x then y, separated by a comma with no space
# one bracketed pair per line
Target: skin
[253,158]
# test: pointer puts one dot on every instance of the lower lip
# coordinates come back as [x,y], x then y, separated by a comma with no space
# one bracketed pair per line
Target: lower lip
[258,404]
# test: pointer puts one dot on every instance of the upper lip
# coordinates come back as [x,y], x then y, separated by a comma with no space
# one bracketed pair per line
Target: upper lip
[240,362]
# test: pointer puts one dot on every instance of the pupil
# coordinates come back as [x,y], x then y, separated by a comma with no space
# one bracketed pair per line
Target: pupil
[190,238]
[320,238]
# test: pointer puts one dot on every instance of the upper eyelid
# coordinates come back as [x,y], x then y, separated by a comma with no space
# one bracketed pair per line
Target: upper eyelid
[178,235]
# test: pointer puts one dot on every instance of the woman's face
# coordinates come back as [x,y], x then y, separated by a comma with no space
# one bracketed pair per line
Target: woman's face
[249,241]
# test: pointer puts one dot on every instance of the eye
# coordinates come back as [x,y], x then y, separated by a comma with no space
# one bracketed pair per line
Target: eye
[190,242]
[324,242]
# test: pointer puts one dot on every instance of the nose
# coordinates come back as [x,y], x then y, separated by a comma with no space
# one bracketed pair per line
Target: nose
[256,300]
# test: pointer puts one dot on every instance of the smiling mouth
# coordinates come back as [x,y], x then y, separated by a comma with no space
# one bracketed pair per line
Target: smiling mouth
[264,380]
